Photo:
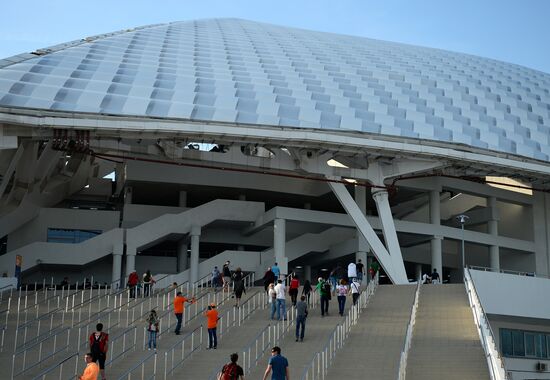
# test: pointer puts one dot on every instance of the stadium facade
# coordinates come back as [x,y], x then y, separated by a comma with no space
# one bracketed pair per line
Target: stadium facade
[179,146]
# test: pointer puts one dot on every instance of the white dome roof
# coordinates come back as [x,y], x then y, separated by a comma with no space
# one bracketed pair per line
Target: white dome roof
[237,71]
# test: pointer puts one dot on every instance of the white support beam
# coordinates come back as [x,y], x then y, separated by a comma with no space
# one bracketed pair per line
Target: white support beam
[388,228]
[395,271]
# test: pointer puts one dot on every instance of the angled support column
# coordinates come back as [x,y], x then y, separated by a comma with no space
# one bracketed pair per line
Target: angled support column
[195,240]
[279,243]
[395,269]
[362,245]
[388,227]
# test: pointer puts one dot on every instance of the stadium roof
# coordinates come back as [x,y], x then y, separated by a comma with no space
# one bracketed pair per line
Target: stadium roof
[237,71]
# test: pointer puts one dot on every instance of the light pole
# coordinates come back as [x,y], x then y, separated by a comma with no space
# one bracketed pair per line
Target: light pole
[462,219]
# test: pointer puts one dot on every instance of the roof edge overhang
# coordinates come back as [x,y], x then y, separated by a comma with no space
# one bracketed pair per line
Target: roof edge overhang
[211,131]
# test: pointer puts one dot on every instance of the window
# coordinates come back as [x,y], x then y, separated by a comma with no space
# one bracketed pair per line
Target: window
[529,344]
[70,236]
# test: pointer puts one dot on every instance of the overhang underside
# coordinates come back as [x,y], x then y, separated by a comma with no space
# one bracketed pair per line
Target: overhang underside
[455,159]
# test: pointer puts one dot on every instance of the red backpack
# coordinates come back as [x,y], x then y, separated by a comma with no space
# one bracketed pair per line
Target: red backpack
[230,371]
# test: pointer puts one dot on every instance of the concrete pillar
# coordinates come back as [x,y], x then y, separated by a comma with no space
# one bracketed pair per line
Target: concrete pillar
[242,197]
[279,242]
[361,198]
[118,251]
[307,272]
[131,252]
[437,261]
[436,242]
[195,240]
[307,206]
[128,195]
[183,259]
[183,198]
[494,251]
[418,272]
[541,228]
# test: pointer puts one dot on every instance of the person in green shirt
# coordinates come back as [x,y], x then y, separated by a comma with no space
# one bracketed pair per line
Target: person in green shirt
[324,289]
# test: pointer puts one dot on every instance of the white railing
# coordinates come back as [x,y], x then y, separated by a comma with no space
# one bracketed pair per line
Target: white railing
[176,355]
[494,360]
[268,337]
[60,365]
[402,371]
[320,364]
[507,271]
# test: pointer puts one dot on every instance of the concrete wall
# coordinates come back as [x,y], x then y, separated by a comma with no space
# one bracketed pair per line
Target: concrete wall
[505,294]
[135,214]
[37,229]
[521,368]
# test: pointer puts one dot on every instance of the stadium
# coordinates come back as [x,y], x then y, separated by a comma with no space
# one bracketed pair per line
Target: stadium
[177,147]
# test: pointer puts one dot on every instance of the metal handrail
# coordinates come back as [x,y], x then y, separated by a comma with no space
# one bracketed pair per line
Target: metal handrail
[182,343]
[402,370]
[507,271]
[336,340]
[42,375]
[127,374]
[494,361]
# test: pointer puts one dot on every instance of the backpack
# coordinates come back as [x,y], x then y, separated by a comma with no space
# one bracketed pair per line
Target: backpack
[147,278]
[327,288]
[230,371]
[98,343]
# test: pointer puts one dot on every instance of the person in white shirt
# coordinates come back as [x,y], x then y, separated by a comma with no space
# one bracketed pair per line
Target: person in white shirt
[281,300]
[352,272]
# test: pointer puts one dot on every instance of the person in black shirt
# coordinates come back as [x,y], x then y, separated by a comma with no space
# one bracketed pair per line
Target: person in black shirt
[360,270]
[435,277]
[226,275]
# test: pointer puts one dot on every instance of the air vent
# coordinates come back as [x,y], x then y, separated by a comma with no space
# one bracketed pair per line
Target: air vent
[540,367]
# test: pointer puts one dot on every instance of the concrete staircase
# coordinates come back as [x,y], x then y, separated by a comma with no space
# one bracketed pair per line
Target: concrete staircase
[445,343]
[374,346]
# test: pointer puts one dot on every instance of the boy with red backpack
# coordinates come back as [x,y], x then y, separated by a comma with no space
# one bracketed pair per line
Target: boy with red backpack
[232,371]
[98,347]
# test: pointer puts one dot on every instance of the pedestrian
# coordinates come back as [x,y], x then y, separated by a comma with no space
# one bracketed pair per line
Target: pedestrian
[301,316]
[153,328]
[435,277]
[426,279]
[324,289]
[278,365]
[231,370]
[269,278]
[92,370]
[355,291]
[133,280]
[226,275]
[215,277]
[373,269]
[238,285]
[272,298]
[211,324]
[360,268]
[99,344]
[280,290]
[352,271]
[342,291]
[293,289]
[276,271]
[306,290]
[179,306]
[148,282]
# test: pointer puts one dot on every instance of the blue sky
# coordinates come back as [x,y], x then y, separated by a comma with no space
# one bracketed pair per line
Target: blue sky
[508,30]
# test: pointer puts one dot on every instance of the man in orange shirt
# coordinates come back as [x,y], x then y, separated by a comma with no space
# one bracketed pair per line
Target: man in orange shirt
[179,306]
[91,371]
[212,323]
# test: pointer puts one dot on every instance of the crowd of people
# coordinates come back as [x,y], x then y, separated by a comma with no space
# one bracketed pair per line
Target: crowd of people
[340,283]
